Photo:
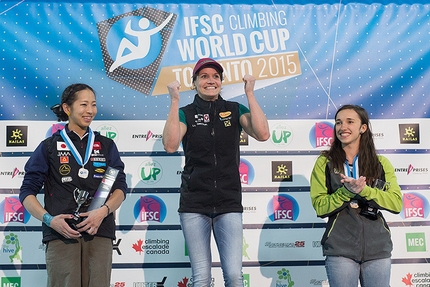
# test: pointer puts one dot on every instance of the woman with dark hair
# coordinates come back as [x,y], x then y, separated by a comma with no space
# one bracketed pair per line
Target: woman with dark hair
[350,183]
[69,166]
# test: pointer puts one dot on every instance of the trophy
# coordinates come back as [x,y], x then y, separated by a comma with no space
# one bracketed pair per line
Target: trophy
[81,197]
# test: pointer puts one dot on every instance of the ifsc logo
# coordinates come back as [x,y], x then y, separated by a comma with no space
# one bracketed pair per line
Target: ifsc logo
[133,46]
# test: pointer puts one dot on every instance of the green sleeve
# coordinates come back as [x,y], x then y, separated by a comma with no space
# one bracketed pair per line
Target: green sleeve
[182,118]
[391,198]
[243,110]
[323,202]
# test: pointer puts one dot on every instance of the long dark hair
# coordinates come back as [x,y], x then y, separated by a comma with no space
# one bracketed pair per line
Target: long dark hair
[368,163]
[69,97]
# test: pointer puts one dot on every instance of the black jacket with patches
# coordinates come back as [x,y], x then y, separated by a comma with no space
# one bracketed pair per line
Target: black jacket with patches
[211,179]
[53,168]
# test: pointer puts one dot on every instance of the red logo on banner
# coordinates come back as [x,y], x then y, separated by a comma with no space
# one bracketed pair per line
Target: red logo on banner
[413,205]
[13,210]
[323,134]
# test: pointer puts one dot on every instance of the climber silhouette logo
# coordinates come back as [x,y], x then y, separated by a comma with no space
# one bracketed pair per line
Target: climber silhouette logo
[133,46]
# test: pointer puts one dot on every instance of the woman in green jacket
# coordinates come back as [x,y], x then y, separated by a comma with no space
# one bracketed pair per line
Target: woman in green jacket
[350,184]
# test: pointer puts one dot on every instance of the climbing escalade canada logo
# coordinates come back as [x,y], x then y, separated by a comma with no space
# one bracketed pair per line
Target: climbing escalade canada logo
[133,46]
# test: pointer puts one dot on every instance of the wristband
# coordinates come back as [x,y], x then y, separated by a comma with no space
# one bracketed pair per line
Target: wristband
[107,208]
[47,218]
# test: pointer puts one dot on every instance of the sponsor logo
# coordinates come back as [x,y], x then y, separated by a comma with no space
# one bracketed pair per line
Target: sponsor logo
[64,169]
[66,179]
[108,131]
[54,128]
[418,279]
[414,205]
[282,207]
[16,136]
[416,242]
[412,170]
[152,246]
[244,138]
[11,210]
[246,171]
[14,173]
[150,208]
[282,171]
[133,46]
[321,135]
[246,280]
[11,282]
[149,283]
[150,172]
[281,135]
[284,278]
[148,136]
[12,248]
[409,133]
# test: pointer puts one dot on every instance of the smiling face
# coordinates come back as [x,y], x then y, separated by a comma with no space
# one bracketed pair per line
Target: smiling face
[348,128]
[82,111]
[208,84]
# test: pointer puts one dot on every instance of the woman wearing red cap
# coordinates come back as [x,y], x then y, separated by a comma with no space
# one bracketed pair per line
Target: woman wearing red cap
[211,199]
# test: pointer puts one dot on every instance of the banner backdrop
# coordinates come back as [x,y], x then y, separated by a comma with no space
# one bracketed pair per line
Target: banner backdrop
[309,59]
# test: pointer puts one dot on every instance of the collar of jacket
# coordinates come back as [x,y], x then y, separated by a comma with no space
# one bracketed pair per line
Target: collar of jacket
[207,104]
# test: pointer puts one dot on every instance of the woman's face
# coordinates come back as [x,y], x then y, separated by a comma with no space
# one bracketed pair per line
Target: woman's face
[208,84]
[348,127]
[82,111]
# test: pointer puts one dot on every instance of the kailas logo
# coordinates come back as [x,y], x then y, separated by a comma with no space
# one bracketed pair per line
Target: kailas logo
[283,207]
[244,138]
[16,136]
[409,133]
[133,45]
[282,171]
[150,208]
[321,135]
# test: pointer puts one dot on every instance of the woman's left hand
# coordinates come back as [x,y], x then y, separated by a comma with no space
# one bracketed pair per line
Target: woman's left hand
[352,184]
[92,220]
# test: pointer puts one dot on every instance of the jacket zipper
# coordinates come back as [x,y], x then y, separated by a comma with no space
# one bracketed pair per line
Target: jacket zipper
[213,106]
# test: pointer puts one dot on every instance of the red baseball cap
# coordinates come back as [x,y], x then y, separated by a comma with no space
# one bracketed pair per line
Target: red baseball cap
[207,62]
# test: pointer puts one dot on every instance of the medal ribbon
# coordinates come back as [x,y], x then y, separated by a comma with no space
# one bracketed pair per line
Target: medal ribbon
[73,149]
[347,169]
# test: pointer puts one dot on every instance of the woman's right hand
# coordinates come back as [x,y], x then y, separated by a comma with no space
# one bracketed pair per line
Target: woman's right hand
[173,89]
